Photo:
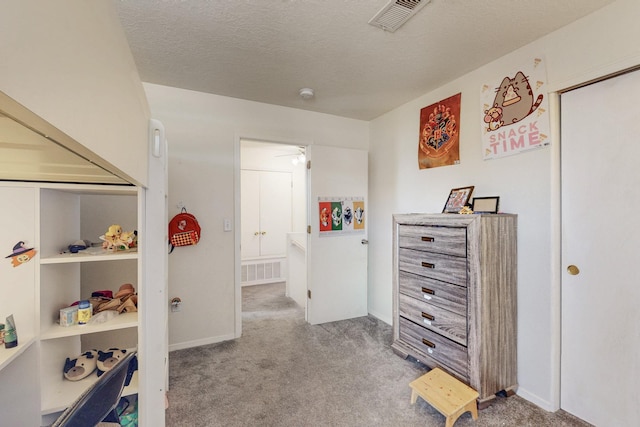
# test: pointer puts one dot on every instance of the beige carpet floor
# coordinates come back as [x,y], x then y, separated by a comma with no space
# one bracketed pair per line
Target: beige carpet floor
[285,372]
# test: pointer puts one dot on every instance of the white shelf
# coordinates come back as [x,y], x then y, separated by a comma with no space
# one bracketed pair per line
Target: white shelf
[7,355]
[122,321]
[89,255]
[58,395]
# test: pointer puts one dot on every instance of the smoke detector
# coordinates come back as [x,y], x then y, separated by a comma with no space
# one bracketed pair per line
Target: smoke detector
[395,13]
[306,93]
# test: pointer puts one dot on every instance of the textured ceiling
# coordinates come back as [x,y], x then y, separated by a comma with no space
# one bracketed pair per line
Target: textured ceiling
[267,50]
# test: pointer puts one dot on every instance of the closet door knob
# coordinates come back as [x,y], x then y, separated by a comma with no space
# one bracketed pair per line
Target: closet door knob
[573,270]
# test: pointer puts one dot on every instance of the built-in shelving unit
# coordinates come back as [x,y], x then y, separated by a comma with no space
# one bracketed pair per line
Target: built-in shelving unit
[7,355]
[49,217]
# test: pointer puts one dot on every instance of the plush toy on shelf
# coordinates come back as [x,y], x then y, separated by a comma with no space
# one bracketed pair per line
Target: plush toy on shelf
[117,240]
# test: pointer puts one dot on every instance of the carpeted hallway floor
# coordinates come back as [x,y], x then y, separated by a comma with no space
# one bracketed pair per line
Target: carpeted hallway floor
[285,372]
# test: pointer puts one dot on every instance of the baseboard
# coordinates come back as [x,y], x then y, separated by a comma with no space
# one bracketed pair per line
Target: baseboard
[265,282]
[384,319]
[201,342]
[536,400]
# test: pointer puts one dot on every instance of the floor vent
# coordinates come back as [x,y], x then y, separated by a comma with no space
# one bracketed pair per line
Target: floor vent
[258,272]
[395,13]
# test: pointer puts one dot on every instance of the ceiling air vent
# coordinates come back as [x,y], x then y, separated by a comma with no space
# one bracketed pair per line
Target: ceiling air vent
[395,13]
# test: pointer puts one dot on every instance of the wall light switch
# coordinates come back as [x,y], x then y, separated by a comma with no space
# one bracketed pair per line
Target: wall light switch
[227,225]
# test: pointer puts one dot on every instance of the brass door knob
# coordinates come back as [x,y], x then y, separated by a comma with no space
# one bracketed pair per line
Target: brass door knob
[573,270]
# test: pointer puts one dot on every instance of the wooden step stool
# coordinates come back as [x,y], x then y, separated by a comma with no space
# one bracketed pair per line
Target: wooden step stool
[449,396]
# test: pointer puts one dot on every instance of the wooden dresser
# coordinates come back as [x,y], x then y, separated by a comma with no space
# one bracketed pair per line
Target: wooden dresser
[454,305]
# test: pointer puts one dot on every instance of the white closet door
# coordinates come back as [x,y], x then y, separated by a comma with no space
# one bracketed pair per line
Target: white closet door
[600,234]
[250,213]
[265,213]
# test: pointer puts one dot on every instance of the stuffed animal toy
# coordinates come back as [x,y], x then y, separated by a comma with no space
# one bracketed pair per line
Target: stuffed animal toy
[111,237]
[129,238]
[108,359]
[82,366]
[117,240]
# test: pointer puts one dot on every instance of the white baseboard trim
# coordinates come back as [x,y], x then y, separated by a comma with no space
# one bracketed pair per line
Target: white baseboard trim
[200,342]
[385,319]
[536,400]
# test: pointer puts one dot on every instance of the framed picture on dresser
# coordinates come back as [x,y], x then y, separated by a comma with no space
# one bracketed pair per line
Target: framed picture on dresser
[485,204]
[458,198]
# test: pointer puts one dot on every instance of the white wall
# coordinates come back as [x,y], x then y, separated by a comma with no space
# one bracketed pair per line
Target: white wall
[203,133]
[69,63]
[527,184]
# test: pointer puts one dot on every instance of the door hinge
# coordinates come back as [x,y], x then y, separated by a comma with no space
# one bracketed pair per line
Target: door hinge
[309,293]
[308,164]
[308,229]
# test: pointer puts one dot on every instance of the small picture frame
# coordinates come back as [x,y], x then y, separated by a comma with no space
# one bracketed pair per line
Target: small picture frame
[458,198]
[485,204]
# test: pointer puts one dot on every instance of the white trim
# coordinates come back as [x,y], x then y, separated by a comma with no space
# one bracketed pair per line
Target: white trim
[380,317]
[237,165]
[200,342]
[596,73]
[536,400]
[237,238]
[556,253]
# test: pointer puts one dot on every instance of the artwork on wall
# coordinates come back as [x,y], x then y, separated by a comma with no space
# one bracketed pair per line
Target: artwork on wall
[438,143]
[515,110]
[341,215]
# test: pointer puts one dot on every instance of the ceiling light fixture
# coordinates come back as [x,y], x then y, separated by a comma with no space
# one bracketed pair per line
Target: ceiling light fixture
[306,93]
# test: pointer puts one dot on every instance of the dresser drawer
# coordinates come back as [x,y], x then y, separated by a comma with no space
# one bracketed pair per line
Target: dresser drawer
[445,240]
[435,346]
[437,266]
[436,292]
[451,325]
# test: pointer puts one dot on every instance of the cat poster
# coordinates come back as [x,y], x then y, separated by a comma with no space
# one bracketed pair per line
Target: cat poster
[438,143]
[515,111]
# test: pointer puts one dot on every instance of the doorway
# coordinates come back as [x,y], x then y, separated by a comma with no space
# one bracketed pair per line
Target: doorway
[599,184]
[273,218]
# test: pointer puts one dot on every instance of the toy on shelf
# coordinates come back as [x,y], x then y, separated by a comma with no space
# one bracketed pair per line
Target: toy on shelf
[79,245]
[117,240]
[82,366]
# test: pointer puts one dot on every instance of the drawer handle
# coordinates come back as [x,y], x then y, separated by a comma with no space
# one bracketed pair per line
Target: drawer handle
[428,291]
[428,343]
[428,265]
[427,239]
[428,316]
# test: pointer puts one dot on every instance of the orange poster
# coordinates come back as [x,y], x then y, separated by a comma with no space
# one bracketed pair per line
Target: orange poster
[438,143]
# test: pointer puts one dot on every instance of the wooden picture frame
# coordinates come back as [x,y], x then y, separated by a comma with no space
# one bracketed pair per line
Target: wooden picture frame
[485,204]
[458,198]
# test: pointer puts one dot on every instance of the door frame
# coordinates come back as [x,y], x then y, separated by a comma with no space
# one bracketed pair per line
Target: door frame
[555,110]
[251,136]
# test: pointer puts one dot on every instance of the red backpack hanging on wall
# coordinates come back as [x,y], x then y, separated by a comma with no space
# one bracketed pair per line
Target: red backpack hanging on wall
[184,230]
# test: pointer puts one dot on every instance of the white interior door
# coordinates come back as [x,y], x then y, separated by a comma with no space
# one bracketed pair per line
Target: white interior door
[265,213]
[336,263]
[600,317]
